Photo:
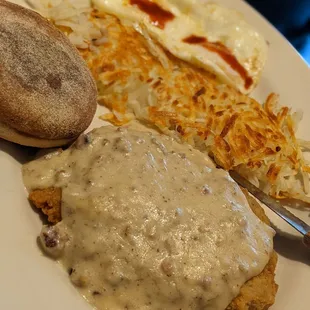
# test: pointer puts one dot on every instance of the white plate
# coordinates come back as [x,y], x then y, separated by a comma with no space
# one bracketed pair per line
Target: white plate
[30,281]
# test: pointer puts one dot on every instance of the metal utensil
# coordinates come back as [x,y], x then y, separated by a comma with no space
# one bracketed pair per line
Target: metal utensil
[276,206]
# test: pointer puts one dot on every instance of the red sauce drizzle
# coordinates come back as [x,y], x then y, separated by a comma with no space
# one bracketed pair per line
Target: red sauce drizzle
[157,14]
[226,55]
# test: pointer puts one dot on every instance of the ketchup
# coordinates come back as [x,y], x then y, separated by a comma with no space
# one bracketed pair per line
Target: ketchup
[157,14]
[224,53]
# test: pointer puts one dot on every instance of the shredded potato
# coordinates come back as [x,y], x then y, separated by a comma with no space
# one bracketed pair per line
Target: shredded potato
[138,79]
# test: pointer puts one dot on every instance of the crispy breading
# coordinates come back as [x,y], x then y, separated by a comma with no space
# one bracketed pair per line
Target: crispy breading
[256,294]
[49,202]
[259,292]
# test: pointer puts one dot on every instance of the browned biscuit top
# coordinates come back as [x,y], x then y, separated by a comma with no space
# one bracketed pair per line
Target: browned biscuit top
[46,89]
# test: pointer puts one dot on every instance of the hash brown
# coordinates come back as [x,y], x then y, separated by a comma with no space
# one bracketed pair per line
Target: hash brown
[138,79]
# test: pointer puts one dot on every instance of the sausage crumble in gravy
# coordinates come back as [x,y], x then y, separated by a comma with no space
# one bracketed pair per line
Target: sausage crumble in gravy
[148,223]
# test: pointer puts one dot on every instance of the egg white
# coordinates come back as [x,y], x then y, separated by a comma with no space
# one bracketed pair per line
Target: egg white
[209,20]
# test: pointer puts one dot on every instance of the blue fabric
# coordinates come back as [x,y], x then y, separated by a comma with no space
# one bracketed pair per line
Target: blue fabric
[291,17]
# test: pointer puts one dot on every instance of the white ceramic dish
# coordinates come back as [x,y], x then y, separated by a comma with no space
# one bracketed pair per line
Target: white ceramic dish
[30,281]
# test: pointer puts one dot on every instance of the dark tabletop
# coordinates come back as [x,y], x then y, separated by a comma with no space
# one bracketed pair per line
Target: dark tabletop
[291,17]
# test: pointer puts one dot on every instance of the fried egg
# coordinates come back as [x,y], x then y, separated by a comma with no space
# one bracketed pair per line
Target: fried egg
[205,34]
